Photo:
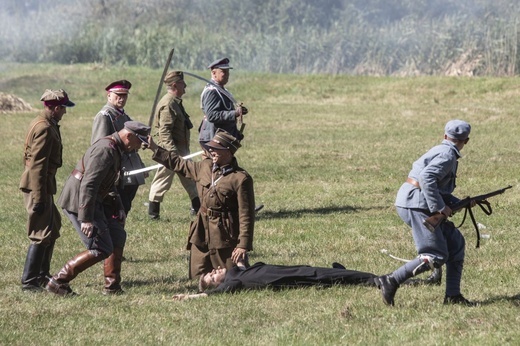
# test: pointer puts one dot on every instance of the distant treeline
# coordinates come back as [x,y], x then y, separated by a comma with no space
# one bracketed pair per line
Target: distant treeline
[367,37]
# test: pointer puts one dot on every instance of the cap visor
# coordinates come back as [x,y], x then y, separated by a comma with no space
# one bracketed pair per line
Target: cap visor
[69,104]
[215,146]
[143,139]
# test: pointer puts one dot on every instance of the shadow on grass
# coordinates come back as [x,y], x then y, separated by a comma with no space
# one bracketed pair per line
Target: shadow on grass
[287,214]
[515,300]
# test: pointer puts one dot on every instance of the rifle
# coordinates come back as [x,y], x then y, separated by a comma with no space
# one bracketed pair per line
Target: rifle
[435,220]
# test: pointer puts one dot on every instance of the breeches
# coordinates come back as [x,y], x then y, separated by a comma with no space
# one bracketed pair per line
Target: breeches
[162,182]
[42,228]
[110,232]
[446,244]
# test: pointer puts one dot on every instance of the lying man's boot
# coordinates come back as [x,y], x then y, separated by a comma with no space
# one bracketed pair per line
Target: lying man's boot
[338,265]
[435,278]
[258,208]
[458,299]
[388,286]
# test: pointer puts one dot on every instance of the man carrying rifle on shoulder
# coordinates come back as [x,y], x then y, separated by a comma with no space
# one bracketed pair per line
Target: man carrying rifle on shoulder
[427,191]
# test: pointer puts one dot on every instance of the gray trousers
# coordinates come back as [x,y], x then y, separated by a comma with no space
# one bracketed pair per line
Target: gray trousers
[110,233]
[446,245]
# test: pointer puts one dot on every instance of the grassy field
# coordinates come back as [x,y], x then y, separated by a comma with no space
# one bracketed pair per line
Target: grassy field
[328,155]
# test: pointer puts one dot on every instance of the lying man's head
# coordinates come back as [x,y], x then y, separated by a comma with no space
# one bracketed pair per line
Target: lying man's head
[212,279]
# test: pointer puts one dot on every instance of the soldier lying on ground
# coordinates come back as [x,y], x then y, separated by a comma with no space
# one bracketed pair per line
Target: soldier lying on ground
[262,275]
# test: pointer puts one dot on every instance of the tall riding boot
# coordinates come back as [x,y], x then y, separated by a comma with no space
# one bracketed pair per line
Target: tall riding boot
[154,210]
[31,270]
[59,283]
[112,269]
[45,268]
[195,206]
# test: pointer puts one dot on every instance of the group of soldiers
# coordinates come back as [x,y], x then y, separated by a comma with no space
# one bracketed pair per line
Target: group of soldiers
[97,196]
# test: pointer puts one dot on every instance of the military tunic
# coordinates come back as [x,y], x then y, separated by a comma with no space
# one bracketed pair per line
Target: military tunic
[219,112]
[42,158]
[172,125]
[227,214]
[436,173]
[89,194]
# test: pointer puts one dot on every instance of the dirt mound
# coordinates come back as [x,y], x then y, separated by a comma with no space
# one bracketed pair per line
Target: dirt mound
[11,104]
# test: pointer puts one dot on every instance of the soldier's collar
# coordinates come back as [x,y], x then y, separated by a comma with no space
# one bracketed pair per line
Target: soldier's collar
[225,170]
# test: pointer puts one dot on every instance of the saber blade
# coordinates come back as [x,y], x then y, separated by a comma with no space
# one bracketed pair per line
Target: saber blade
[151,168]
[221,89]
[385,251]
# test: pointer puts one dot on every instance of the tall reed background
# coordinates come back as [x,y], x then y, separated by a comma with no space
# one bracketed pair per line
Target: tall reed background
[370,37]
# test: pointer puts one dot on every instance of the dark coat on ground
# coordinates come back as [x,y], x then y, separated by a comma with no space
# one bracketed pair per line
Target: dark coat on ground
[262,275]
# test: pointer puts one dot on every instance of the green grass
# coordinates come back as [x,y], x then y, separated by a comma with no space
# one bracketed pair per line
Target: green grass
[328,155]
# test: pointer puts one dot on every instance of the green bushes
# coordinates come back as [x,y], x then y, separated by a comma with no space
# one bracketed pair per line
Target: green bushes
[372,37]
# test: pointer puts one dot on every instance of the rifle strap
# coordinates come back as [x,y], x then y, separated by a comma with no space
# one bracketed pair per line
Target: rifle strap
[486,208]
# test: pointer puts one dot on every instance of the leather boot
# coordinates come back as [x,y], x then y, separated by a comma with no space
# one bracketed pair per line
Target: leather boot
[195,206]
[388,286]
[112,269]
[45,268]
[59,283]
[154,210]
[31,269]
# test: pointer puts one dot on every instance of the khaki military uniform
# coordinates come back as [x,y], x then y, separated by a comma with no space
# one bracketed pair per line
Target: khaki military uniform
[172,126]
[227,213]
[42,158]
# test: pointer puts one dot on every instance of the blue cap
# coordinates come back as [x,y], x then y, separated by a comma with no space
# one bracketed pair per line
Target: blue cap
[457,129]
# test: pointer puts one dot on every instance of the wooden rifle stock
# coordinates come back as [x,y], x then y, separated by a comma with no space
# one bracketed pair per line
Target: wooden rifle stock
[435,220]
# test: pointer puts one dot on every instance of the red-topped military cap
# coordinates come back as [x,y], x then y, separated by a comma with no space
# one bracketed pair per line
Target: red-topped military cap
[119,87]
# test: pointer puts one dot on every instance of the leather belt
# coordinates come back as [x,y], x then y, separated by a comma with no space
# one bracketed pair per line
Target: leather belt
[211,213]
[413,182]
[77,174]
